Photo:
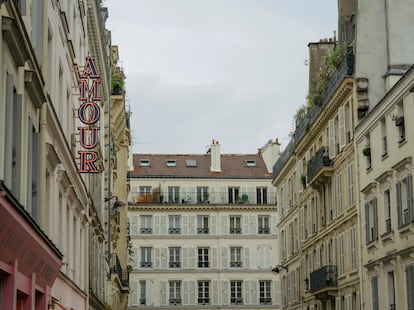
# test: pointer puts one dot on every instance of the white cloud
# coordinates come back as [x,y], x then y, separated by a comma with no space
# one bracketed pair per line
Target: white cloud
[230,70]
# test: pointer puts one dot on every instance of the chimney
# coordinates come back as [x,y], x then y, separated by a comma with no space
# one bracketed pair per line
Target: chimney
[270,154]
[318,55]
[215,156]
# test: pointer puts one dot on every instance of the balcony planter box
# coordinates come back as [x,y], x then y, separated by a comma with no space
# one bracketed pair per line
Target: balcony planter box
[399,121]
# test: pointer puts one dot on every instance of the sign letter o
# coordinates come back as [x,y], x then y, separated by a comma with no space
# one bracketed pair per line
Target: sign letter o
[95,112]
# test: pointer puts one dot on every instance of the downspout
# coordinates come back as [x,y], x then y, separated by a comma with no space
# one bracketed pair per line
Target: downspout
[43,219]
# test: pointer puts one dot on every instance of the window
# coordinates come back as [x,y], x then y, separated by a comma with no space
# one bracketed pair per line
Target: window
[387,210]
[399,122]
[264,227]
[233,195]
[202,194]
[174,224]
[170,163]
[146,224]
[404,201]
[371,226]
[339,193]
[264,293]
[391,290]
[250,163]
[203,258]
[146,257]
[202,224]
[144,163]
[203,292]
[384,138]
[341,243]
[261,195]
[142,292]
[175,293]
[235,224]
[409,275]
[173,194]
[374,290]
[191,163]
[175,257]
[235,257]
[236,293]
[145,194]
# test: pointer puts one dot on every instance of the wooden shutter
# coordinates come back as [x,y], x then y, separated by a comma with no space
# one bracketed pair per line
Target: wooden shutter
[192,224]
[134,225]
[163,224]
[374,211]
[225,292]
[224,225]
[163,293]
[246,263]
[215,292]
[246,225]
[134,293]
[149,292]
[410,198]
[399,204]
[409,275]
[246,292]
[367,233]
[374,288]
[186,257]
[164,258]
[213,224]
[157,225]
[276,293]
[214,258]
[192,258]
[224,254]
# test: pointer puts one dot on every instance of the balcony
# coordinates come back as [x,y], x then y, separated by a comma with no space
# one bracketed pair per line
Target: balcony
[323,282]
[265,300]
[319,167]
[175,301]
[190,198]
[236,264]
[203,301]
[115,267]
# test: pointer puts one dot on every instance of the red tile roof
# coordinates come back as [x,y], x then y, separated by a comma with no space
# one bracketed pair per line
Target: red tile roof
[232,166]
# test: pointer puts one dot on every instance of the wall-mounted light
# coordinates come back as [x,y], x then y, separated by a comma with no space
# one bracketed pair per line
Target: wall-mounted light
[278,268]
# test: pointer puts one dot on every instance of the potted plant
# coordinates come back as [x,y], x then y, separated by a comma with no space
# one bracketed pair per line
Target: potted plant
[366,150]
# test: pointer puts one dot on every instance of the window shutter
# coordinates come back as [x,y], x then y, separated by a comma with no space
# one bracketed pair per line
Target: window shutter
[246,225]
[135,258]
[357,301]
[192,258]
[253,224]
[149,293]
[163,291]
[331,135]
[134,225]
[185,224]
[299,175]
[213,224]
[409,274]
[224,225]
[333,207]
[338,303]
[157,225]
[192,292]
[246,263]
[246,292]
[134,293]
[225,292]
[276,293]
[367,234]
[410,198]
[164,258]
[254,287]
[215,292]
[192,224]
[399,206]
[333,250]
[157,258]
[191,195]
[214,258]
[318,261]
[341,120]
[350,125]
[267,257]
[185,257]
[302,222]
[163,224]
[225,263]
[273,224]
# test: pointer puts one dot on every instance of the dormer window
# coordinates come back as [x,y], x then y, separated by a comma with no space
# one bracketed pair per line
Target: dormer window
[170,163]
[144,162]
[250,163]
[191,163]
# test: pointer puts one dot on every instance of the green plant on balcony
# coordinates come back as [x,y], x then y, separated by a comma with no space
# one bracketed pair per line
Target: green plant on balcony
[335,58]
[117,82]
[366,151]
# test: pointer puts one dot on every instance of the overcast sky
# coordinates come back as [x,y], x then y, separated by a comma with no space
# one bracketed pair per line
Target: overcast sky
[230,70]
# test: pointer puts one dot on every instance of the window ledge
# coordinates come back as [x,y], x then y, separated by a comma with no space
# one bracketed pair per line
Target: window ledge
[372,246]
[406,229]
[388,236]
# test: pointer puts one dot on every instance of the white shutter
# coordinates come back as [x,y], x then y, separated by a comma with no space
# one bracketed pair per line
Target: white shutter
[185,224]
[331,135]
[135,257]
[149,293]
[185,293]
[164,258]
[299,168]
[273,224]
[302,222]
[157,258]
[276,293]
[191,196]
[253,224]
[192,258]
[192,292]
[225,292]
[350,126]
[246,263]
[215,292]
[342,133]
[213,224]
[251,193]
[163,293]
[192,224]
[214,258]
[225,262]
[134,293]
[261,257]
[157,226]
[134,225]
[338,303]
[224,225]
[253,289]
[246,225]
[318,255]
[267,257]
[163,224]
[246,292]
[185,257]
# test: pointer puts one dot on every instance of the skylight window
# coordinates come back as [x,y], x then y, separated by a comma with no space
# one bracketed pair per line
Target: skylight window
[191,163]
[170,163]
[250,163]
[144,162]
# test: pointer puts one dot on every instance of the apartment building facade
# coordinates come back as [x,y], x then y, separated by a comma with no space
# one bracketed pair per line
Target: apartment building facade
[203,230]
[315,178]
[52,223]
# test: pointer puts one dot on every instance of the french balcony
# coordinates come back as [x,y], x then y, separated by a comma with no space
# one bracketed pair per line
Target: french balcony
[320,168]
[324,281]
[115,268]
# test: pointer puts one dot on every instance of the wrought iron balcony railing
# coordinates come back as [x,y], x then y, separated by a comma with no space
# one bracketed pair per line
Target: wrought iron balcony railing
[324,277]
[317,162]
[115,267]
[190,198]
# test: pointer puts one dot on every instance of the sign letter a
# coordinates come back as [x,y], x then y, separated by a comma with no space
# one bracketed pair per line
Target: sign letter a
[90,69]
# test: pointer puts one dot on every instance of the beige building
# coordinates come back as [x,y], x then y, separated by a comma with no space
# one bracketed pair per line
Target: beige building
[119,142]
[203,230]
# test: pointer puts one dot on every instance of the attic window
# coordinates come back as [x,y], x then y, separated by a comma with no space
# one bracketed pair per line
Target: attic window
[170,163]
[250,163]
[191,163]
[144,162]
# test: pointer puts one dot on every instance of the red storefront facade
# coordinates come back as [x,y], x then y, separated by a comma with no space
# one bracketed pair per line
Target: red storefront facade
[29,262]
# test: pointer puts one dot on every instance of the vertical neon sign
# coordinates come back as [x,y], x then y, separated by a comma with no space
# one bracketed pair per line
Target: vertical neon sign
[89,113]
